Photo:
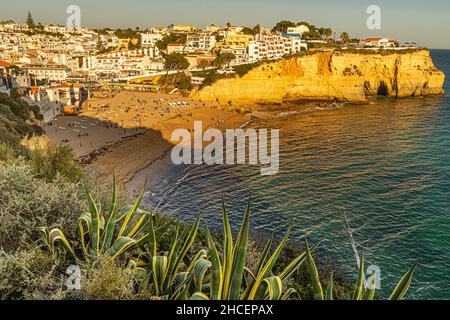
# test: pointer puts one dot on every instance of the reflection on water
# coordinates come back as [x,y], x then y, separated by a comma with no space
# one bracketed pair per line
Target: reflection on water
[385,166]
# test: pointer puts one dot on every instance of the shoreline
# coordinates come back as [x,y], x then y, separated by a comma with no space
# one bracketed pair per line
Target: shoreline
[125,133]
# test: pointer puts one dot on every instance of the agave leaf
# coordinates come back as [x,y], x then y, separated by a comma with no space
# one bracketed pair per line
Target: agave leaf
[199,296]
[142,222]
[240,253]
[289,292]
[295,264]
[264,255]
[121,245]
[171,258]
[274,287]
[128,216]
[123,212]
[84,226]
[55,236]
[159,266]
[369,294]
[265,271]
[403,285]
[200,269]
[258,267]
[358,293]
[202,254]
[313,273]
[216,268]
[95,224]
[227,253]
[184,250]
[329,292]
[182,282]
[152,242]
[111,225]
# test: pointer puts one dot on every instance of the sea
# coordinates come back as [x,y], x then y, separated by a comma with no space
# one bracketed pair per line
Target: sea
[372,179]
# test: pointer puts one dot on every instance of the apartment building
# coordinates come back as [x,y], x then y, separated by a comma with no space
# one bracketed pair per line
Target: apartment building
[148,40]
[274,46]
[48,72]
[122,64]
[201,41]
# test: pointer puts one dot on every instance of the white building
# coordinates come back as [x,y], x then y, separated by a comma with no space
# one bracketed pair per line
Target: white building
[201,41]
[122,64]
[378,43]
[298,30]
[274,46]
[150,39]
[48,72]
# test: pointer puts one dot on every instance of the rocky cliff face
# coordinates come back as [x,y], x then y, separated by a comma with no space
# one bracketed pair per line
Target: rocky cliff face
[344,76]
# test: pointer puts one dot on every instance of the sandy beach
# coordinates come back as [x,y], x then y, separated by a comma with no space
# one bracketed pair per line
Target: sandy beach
[124,132]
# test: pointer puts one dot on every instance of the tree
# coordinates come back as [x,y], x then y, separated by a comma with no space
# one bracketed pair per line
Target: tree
[224,58]
[30,21]
[247,30]
[345,38]
[327,32]
[257,29]
[175,61]
[99,44]
[283,25]
[204,64]
[184,82]
[171,38]
[130,45]
[303,23]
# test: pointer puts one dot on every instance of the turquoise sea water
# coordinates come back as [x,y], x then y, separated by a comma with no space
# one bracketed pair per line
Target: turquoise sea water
[384,166]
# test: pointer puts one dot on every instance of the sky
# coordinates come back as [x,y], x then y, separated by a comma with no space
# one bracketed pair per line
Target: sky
[424,22]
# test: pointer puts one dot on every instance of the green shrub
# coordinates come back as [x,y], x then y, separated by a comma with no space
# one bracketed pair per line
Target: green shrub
[243,69]
[28,202]
[184,82]
[55,161]
[31,274]
[7,153]
[108,280]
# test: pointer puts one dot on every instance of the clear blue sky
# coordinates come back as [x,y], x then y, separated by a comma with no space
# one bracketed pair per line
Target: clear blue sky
[426,22]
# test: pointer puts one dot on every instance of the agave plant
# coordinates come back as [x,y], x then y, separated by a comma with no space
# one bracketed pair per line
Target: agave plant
[170,272]
[119,232]
[230,279]
[360,292]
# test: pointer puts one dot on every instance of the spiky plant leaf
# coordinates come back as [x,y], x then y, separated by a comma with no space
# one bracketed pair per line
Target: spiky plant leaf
[403,285]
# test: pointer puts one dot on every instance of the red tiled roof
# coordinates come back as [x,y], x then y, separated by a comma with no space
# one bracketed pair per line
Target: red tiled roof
[6,64]
[373,39]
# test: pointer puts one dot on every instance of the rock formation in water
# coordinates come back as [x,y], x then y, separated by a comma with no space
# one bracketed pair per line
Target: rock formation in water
[332,75]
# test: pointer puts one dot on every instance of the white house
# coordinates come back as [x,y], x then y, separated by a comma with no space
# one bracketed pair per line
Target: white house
[378,43]
[301,29]
[150,39]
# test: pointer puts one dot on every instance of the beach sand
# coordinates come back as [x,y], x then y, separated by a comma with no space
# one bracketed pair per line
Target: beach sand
[124,132]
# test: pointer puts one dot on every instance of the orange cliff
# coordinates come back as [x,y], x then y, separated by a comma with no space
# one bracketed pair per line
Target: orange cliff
[332,75]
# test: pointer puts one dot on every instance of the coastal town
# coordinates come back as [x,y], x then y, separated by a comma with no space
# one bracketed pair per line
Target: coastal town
[224,151]
[56,67]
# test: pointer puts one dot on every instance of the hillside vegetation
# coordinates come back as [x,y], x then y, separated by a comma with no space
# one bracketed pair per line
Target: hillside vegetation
[18,120]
